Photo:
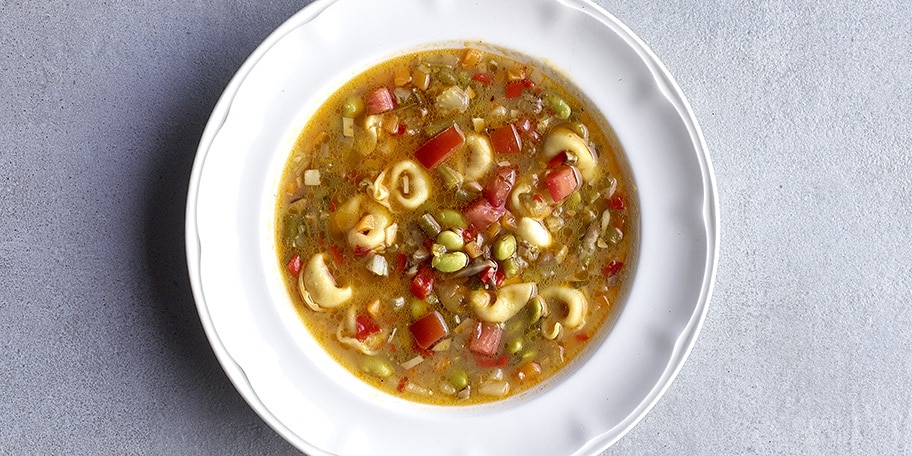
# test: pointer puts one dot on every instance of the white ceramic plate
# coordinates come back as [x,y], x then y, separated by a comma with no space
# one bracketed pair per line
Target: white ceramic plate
[268,354]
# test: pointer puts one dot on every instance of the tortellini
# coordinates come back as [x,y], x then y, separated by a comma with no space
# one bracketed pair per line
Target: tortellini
[410,185]
[567,309]
[365,223]
[481,157]
[318,287]
[510,300]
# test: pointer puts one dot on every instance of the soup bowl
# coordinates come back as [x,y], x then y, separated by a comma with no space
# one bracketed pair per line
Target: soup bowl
[281,370]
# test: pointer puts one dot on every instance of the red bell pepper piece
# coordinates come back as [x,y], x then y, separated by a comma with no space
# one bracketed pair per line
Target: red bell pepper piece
[616,202]
[364,327]
[429,329]
[514,89]
[423,282]
[505,140]
[613,268]
[483,78]
[294,265]
[438,148]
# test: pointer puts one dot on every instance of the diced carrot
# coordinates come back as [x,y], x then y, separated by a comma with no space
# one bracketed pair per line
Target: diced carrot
[471,57]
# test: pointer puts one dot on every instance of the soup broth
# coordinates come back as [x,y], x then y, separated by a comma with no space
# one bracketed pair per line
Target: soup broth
[453,226]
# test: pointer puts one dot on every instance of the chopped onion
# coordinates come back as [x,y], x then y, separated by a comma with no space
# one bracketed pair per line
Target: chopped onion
[377,264]
[312,177]
[412,362]
[453,98]
[348,127]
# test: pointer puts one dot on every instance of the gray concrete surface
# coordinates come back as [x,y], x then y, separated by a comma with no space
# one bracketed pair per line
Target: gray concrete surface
[805,106]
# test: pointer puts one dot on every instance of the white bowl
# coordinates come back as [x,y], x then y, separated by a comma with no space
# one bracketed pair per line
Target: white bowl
[279,368]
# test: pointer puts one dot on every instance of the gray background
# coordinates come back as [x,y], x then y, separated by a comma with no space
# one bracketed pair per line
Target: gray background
[805,106]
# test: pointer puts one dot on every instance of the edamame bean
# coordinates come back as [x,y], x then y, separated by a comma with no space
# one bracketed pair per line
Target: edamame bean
[505,247]
[452,241]
[510,267]
[459,379]
[450,262]
[450,218]
[536,306]
[377,367]
[515,346]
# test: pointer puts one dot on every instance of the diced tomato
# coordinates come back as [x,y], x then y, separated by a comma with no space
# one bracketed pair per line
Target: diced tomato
[500,186]
[429,329]
[469,235]
[582,337]
[401,258]
[481,213]
[336,255]
[438,148]
[562,181]
[499,278]
[505,140]
[364,327]
[487,275]
[557,160]
[402,382]
[613,268]
[333,204]
[483,78]
[528,83]
[514,89]
[294,265]
[423,282]
[616,202]
[538,198]
[485,339]
[401,129]
[361,251]
[378,101]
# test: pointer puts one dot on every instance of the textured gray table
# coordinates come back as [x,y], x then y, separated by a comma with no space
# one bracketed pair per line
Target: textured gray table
[805,106]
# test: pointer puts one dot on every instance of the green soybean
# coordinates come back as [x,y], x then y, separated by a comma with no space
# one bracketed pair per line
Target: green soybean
[505,247]
[515,346]
[450,262]
[459,379]
[376,366]
[450,240]
[510,267]
[450,218]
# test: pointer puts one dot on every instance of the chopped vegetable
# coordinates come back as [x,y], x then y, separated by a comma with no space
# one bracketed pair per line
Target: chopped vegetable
[364,327]
[562,181]
[500,186]
[481,213]
[438,148]
[294,265]
[486,339]
[429,329]
[423,283]
[505,140]
[379,101]
[514,89]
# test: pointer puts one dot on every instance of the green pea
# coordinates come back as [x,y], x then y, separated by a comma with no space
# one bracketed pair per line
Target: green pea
[505,247]
[450,218]
[353,106]
[377,367]
[450,240]
[450,262]
[560,107]
[459,379]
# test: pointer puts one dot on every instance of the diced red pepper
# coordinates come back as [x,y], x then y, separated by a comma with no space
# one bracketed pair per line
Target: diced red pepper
[485,339]
[336,255]
[294,265]
[438,148]
[402,382]
[613,268]
[562,181]
[361,251]
[468,235]
[401,259]
[423,282]
[500,186]
[333,204]
[379,100]
[483,78]
[487,275]
[401,129]
[557,160]
[528,83]
[505,140]
[514,89]
[499,278]
[364,327]
[582,337]
[481,213]
[616,202]
[429,329]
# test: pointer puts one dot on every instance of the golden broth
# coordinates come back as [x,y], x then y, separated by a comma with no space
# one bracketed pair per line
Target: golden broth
[519,216]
